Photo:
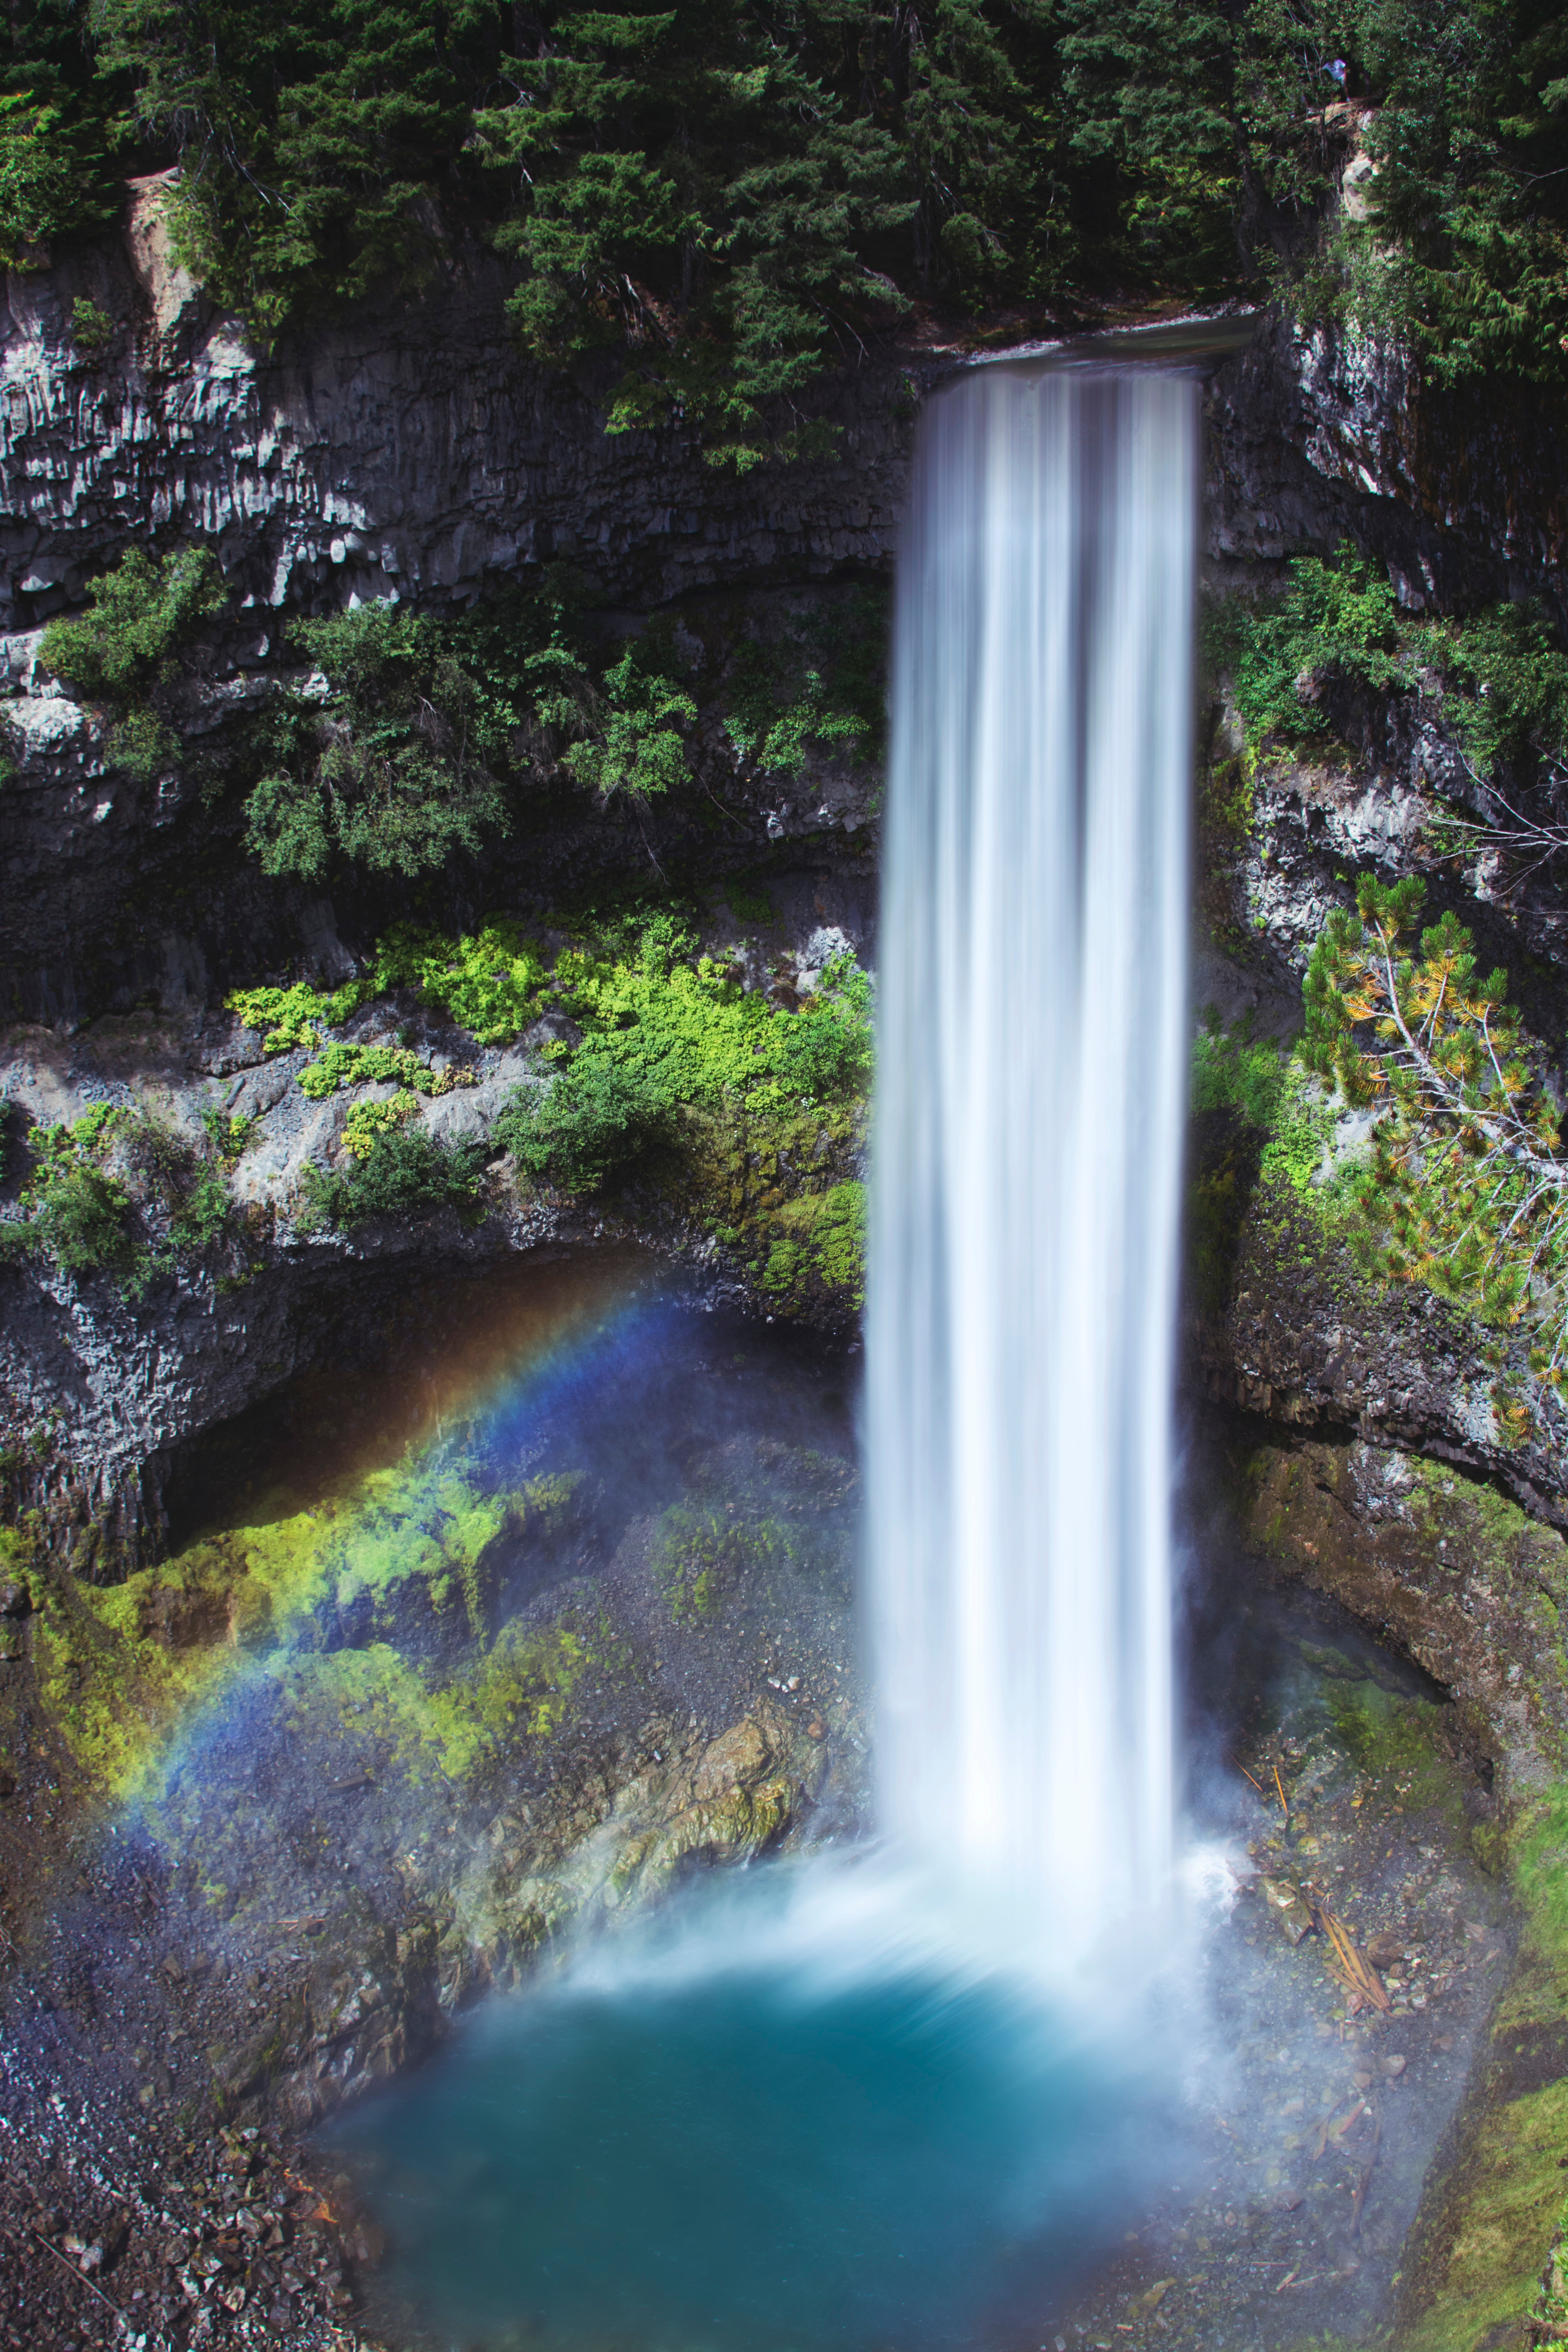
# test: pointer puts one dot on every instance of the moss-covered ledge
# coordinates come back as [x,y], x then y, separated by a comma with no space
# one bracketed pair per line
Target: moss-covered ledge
[1277,1322]
[1464,1581]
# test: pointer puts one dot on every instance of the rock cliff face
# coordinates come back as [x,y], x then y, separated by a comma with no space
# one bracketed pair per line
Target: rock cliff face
[404,452]
[410,453]
[1315,436]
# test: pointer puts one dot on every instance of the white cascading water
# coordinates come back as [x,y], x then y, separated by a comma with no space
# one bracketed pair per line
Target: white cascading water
[1031,1092]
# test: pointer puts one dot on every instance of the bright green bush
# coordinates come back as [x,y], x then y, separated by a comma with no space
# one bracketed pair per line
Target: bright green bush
[668,1028]
[489,982]
[124,653]
[292,1017]
[406,1171]
[143,612]
[342,1065]
[1502,671]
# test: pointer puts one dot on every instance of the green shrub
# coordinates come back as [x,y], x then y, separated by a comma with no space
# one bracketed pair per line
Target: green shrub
[393,772]
[143,745]
[1337,618]
[405,1172]
[123,654]
[1502,673]
[587,1125]
[342,1064]
[75,1212]
[489,982]
[80,1217]
[431,720]
[292,1017]
[819,680]
[97,1181]
[668,1029]
[203,1214]
[636,745]
[92,329]
[47,184]
[1467,1189]
[1232,1071]
[1511,677]
[227,1135]
[141,614]
[781,750]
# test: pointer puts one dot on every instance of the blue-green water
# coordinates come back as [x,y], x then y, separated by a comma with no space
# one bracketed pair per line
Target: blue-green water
[755,2159]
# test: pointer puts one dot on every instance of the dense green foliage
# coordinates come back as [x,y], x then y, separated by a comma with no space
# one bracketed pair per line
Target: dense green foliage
[116,1192]
[1467,1189]
[1503,675]
[666,1029]
[301,1016]
[123,655]
[403,1170]
[75,1212]
[1466,244]
[731,194]
[654,1060]
[492,982]
[395,770]
[417,730]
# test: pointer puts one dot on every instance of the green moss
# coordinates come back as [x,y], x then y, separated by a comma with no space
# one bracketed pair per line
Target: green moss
[421,1724]
[1385,1734]
[821,1238]
[1509,1548]
[1498,2226]
[702,1551]
[121,1667]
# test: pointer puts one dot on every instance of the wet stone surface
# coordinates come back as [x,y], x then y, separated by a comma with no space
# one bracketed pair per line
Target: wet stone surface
[1316,2116]
[463,1726]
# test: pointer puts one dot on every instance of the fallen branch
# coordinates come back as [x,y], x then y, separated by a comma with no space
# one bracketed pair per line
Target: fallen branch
[1353,1970]
[1231,1756]
[65,2264]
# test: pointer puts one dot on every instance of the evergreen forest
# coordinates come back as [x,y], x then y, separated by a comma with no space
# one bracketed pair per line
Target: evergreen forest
[735,194]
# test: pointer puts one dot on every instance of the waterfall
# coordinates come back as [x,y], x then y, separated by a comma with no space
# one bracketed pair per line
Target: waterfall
[1031,1093]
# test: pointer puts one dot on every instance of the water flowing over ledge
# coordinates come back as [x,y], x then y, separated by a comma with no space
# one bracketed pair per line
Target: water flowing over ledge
[1029,1141]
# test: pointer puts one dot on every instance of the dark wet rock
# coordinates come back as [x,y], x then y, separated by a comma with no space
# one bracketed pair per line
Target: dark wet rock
[1461,1579]
[1289,1911]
